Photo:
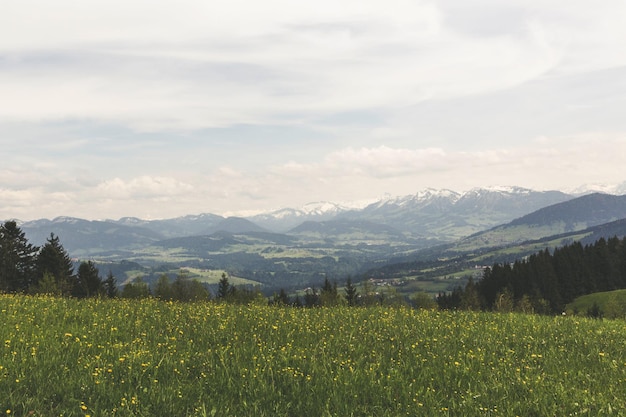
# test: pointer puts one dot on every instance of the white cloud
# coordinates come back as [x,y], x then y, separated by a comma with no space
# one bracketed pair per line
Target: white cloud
[173,65]
[106,105]
[143,187]
[344,175]
[384,161]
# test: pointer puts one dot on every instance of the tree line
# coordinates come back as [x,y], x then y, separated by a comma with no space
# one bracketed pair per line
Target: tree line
[546,281]
[25,268]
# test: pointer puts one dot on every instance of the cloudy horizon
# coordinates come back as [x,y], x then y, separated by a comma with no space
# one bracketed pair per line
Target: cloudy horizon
[157,110]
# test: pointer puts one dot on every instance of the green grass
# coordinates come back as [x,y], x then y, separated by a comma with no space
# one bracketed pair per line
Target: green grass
[213,276]
[612,304]
[129,358]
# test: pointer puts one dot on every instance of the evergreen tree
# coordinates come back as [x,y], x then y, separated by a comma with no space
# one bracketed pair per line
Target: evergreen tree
[351,293]
[224,288]
[110,285]
[88,281]
[17,259]
[329,295]
[53,259]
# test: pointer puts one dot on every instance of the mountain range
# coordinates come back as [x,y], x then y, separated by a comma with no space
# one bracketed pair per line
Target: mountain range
[299,246]
[438,215]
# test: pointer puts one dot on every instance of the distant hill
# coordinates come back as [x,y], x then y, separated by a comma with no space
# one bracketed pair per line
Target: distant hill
[234,225]
[190,225]
[571,216]
[83,237]
[579,213]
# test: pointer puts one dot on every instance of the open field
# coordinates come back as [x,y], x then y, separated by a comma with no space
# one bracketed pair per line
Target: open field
[213,276]
[611,304]
[139,358]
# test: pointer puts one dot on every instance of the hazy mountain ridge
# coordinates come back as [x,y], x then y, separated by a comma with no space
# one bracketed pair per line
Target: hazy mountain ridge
[431,213]
[287,218]
[570,216]
[448,215]
[429,217]
[404,229]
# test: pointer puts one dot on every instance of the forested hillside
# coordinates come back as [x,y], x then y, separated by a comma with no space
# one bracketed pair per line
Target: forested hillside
[546,281]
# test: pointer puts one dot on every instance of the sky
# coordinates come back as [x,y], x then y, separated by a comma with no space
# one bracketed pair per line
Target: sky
[162,109]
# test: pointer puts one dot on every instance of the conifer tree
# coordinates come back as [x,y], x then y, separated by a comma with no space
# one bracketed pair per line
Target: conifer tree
[88,282]
[54,260]
[329,295]
[110,285]
[351,293]
[224,287]
[17,259]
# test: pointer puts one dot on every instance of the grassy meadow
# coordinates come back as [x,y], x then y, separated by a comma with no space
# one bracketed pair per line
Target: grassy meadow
[146,358]
[610,304]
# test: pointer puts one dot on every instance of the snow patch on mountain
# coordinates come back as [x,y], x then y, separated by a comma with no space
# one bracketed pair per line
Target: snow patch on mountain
[421,197]
[614,189]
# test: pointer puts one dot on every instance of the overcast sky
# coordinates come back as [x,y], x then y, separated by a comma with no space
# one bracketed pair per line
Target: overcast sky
[157,109]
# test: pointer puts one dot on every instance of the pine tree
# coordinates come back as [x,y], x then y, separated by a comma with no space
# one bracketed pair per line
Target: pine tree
[351,294]
[88,282]
[110,285]
[329,295]
[53,259]
[224,287]
[17,259]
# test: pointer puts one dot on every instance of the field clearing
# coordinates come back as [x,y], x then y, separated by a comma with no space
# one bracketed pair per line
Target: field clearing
[611,304]
[139,358]
[213,276]
[272,253]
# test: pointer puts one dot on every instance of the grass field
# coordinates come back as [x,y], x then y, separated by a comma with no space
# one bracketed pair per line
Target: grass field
[147,358]
[611,304]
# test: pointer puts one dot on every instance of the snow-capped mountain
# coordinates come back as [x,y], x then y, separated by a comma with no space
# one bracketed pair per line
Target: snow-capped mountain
[286,218]
[449,215]
[420,199]
[614,189]
[430,212]
[429,215]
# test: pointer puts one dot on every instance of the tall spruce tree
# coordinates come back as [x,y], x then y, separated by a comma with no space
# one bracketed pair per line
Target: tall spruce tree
[351,294]
[17,259]
[224,289]
[54,260]
[329,295]
[110,285]
[88,282]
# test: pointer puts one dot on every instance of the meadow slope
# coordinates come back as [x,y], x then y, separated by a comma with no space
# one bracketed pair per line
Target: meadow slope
[146,358]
